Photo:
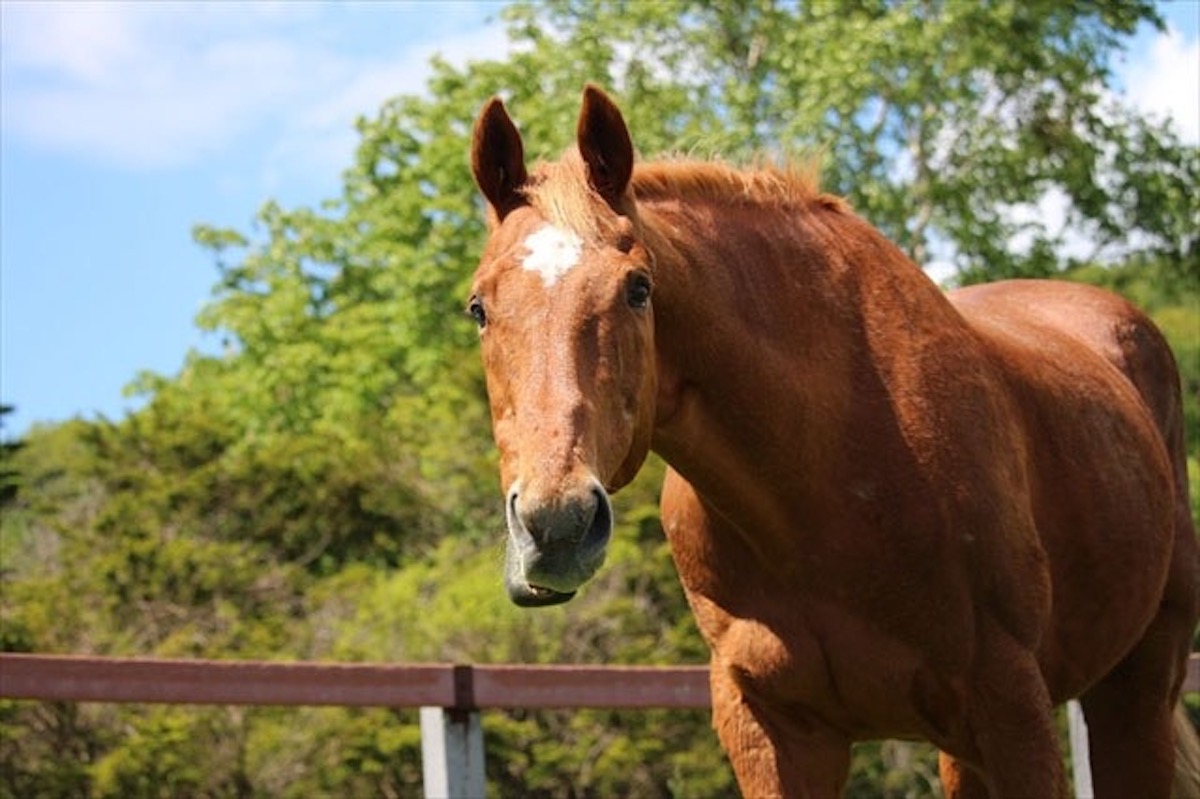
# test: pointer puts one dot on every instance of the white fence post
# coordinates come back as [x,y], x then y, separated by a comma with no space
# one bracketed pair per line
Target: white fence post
[1081,763]
[452,753]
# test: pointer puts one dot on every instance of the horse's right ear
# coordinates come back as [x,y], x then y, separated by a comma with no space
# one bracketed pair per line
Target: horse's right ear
[498,159]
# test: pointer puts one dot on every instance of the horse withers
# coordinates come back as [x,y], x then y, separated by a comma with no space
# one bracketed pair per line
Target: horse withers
[894,512]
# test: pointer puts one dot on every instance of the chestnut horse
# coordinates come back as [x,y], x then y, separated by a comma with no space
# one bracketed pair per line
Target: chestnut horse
[895,513]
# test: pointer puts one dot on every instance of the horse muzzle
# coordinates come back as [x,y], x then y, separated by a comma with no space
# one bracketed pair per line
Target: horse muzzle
[555,543]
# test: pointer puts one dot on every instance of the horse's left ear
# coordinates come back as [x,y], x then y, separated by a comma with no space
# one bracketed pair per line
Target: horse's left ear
[605,145]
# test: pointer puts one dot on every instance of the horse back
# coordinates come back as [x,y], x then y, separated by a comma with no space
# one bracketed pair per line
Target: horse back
[1102,322]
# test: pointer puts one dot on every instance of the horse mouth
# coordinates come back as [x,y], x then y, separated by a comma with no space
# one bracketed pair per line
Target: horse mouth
[527,595]
[528,590]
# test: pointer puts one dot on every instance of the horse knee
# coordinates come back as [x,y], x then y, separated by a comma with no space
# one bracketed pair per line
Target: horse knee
[959,780]
[774,751]
[1013,722]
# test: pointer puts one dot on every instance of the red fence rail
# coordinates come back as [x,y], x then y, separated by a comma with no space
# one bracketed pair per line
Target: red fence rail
[223,682]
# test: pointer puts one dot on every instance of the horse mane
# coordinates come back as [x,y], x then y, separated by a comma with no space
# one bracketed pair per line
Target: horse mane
[559,190]
[789,185]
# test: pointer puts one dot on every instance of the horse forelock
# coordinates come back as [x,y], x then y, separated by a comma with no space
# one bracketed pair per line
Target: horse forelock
[560,191]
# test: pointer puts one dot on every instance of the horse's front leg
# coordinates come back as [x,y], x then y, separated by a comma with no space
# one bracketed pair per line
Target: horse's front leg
[776,753]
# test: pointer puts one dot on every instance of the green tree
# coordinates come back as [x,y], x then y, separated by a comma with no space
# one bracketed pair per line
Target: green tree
[9,477]
[936,118]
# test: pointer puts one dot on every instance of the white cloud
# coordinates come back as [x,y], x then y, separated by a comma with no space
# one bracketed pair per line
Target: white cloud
[320,135]
[150,85]
[1165,83]
[83,42]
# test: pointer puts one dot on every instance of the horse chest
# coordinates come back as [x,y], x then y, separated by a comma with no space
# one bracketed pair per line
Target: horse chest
[821,643]
[823,667]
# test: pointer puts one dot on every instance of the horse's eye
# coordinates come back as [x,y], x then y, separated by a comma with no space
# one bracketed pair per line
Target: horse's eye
[475,309]
[637,290]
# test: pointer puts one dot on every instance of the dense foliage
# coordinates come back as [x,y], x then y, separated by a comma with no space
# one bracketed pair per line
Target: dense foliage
[325,488]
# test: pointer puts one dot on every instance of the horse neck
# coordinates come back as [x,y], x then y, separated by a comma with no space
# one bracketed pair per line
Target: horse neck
[773,328]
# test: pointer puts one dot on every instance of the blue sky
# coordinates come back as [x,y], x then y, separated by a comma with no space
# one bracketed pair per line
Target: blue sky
[124,124]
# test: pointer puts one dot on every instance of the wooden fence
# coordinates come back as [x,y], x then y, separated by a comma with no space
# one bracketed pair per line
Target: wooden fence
[450,696]
[456,687]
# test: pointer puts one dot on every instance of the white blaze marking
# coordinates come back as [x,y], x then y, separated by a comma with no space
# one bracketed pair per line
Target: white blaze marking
[552,253]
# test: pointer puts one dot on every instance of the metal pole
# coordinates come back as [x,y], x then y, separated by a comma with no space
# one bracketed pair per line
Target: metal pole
[1081,764]
[452,753]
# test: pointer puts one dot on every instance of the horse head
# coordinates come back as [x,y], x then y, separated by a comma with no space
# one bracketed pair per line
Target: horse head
[562,298]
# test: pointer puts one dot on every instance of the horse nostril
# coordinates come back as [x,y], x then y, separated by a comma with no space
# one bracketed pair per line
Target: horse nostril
[522,521]
[582,519]
[601,525]
[539,522]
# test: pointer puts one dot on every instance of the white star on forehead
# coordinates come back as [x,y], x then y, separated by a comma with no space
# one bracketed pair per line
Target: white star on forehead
[552,253]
